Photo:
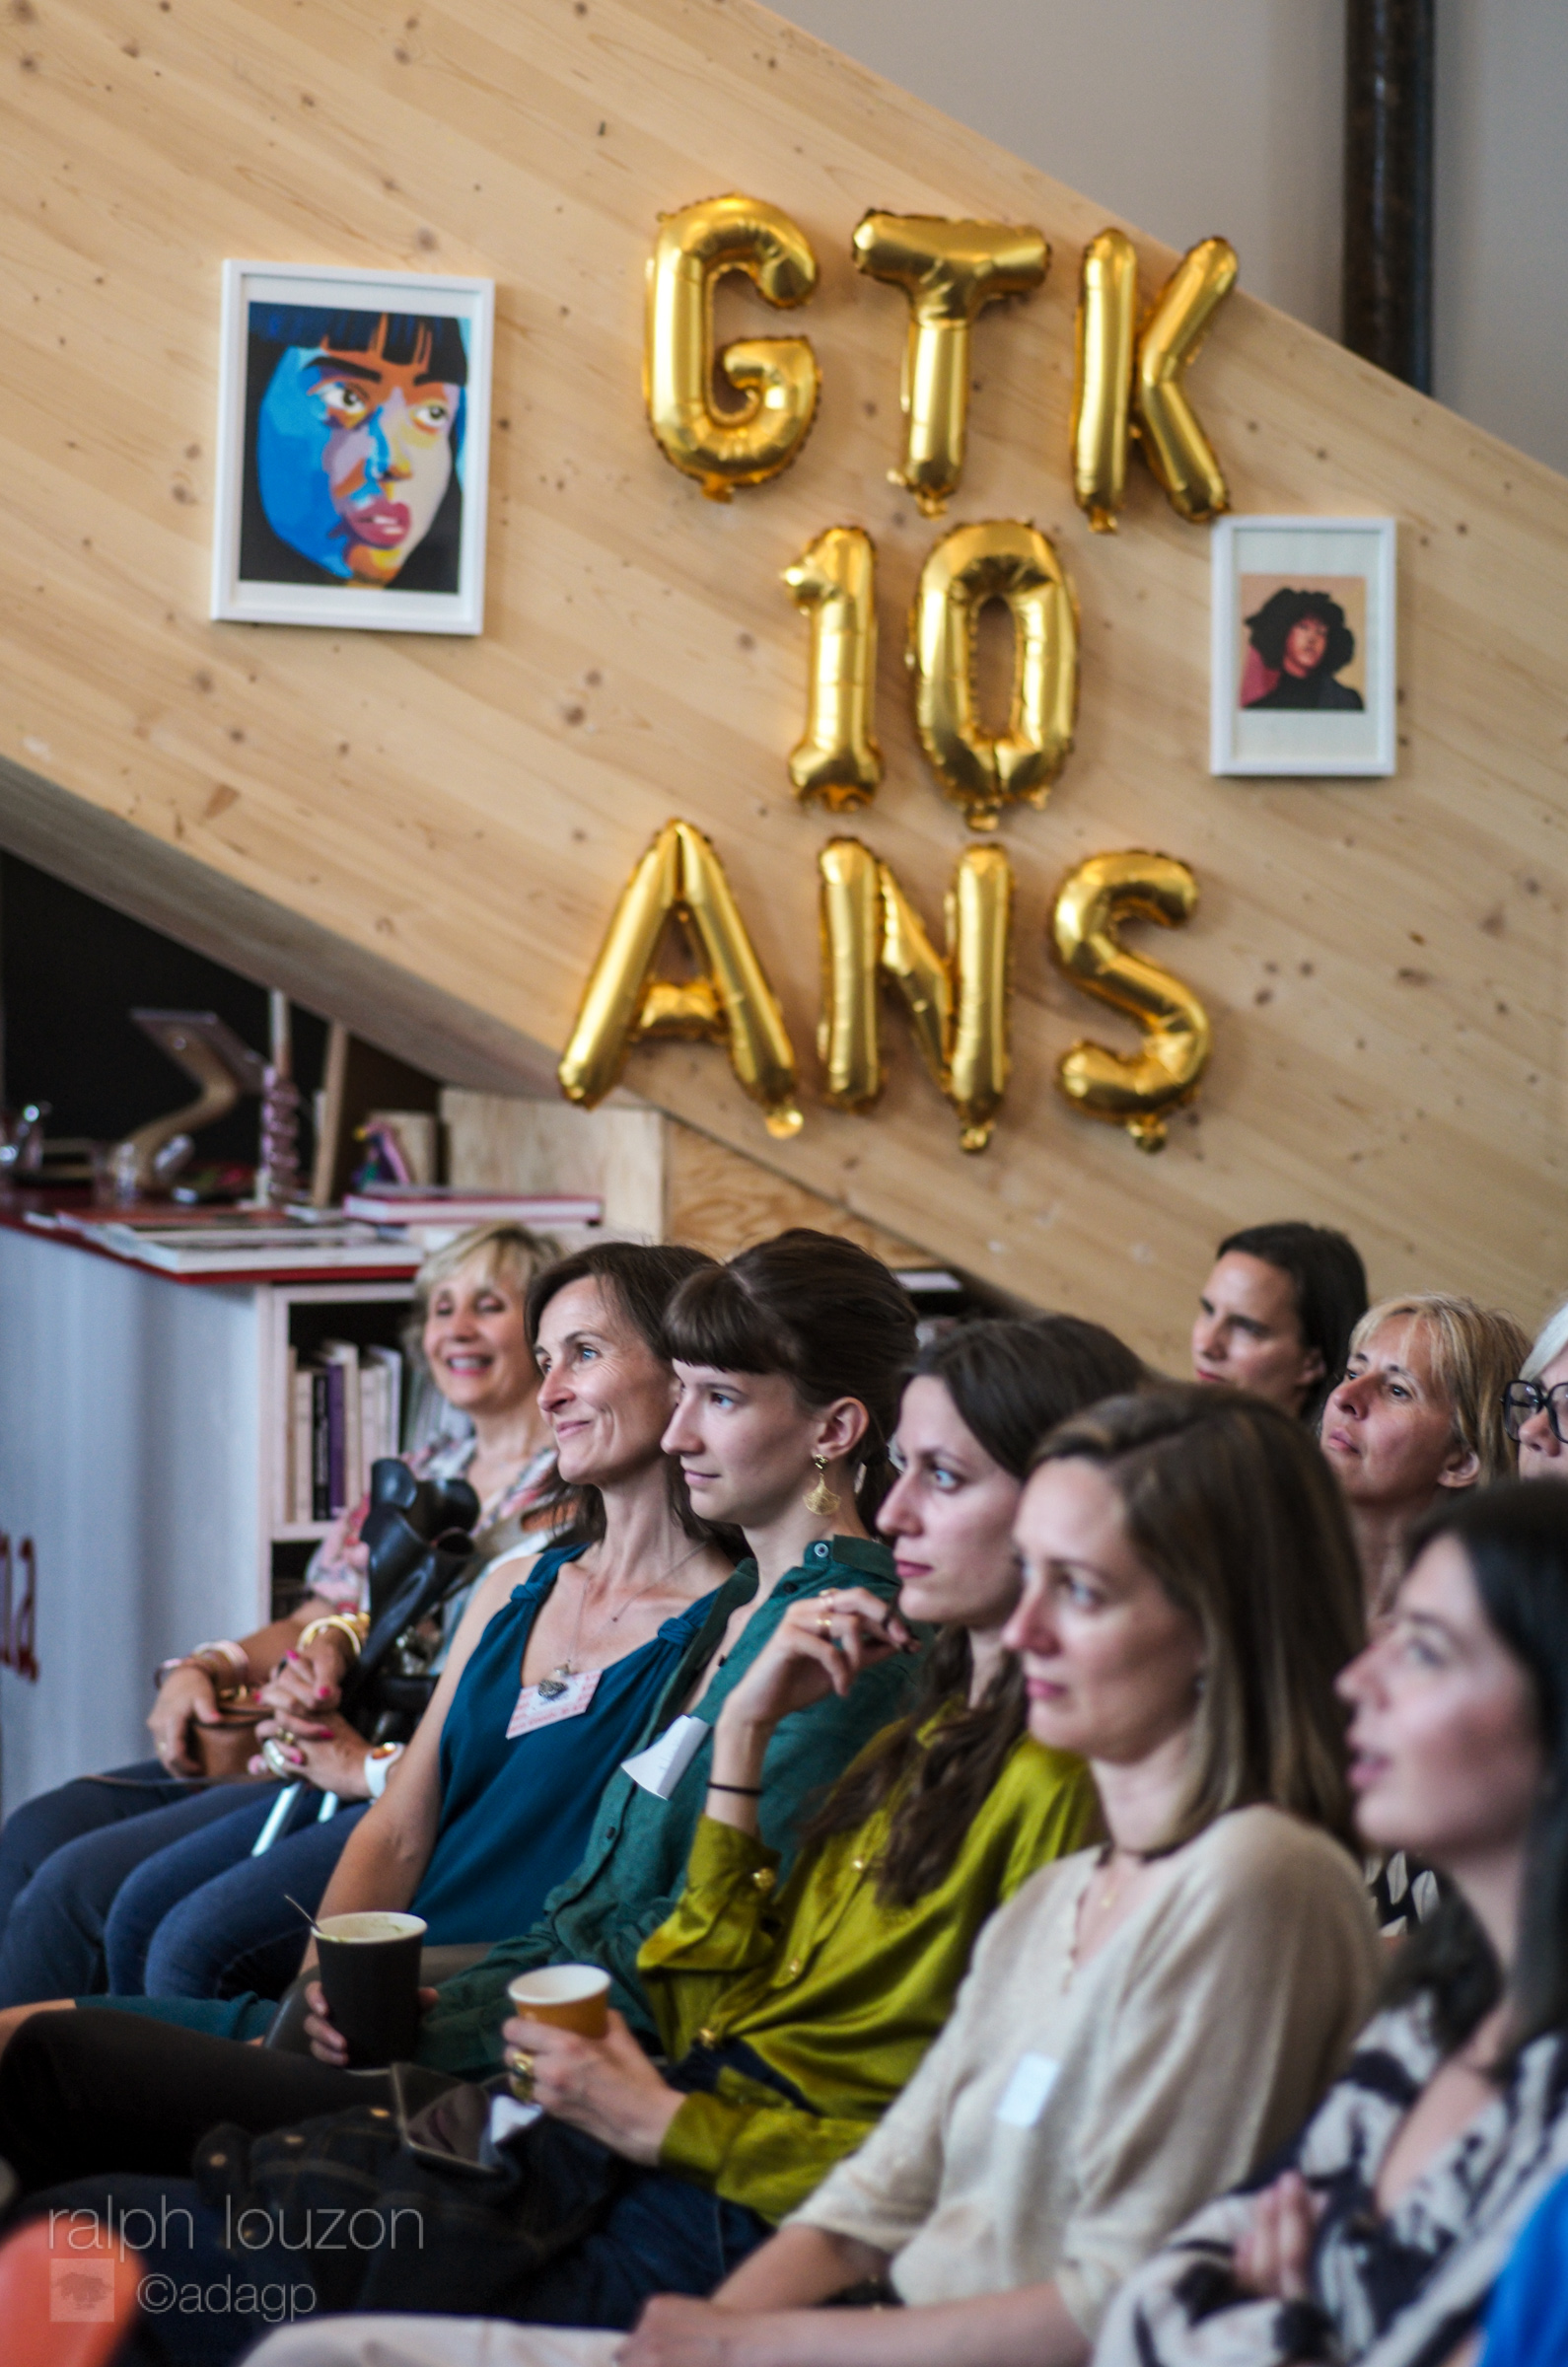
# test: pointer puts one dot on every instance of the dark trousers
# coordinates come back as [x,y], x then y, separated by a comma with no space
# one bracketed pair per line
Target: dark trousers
[64,1856]
[101,2090]
[97,2106]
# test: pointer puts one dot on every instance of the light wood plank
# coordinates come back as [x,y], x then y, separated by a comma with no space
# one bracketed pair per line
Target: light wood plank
[425,838]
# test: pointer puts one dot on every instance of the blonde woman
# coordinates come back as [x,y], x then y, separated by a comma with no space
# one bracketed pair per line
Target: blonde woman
[1418,1410]
[126,1882]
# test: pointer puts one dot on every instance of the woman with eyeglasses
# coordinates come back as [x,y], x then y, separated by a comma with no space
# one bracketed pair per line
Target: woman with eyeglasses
[1536,1405]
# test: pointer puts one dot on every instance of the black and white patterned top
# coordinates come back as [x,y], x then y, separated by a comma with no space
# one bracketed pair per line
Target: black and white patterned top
[1400,2290]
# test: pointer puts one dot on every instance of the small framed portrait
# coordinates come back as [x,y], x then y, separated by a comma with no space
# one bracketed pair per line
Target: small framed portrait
[1301,655]
[353,448]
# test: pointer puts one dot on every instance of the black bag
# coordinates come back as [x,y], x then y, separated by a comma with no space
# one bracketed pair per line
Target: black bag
[404,2205]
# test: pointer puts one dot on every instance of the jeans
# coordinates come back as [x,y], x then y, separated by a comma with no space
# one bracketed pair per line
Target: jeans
[204,1918]
[74,1847]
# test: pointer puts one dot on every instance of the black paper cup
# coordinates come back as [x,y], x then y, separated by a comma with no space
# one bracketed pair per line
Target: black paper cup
[369,1966]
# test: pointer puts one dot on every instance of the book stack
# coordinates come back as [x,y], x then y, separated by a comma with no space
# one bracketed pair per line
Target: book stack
[346,1408]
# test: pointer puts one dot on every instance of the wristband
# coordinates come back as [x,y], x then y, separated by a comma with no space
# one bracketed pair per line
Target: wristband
[747,1791]
[379,1764]
[226,1679]
[352,1627]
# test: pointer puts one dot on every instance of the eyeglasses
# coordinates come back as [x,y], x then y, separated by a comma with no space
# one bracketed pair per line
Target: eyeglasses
[1524,1399]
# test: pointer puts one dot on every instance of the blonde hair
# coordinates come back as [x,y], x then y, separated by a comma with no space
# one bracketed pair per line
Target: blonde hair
[1475,1351]
[504,1252]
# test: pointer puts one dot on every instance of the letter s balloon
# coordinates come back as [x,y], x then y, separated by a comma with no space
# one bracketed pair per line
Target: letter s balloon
[1132,1090]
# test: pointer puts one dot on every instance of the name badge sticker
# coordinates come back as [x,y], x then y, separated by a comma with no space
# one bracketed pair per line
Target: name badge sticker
[661,1766]
[1027,2092]
[536,1709]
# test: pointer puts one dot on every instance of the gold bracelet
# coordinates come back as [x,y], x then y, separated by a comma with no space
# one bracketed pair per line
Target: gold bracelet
[353,1627]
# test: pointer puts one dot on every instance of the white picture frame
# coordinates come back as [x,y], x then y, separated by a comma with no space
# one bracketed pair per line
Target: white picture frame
[353,448]
[1270,712]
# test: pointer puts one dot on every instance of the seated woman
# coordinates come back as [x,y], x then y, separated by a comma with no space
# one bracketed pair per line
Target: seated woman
[1417,1415]
[147,1839]
[1536,1405]
[1408,2188]
[793,2016]
[1417,1412]
[840,1318]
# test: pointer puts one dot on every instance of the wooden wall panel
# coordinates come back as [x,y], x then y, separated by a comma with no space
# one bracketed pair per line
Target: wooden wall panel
[435,830]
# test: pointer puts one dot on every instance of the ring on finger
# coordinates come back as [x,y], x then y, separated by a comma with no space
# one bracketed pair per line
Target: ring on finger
[519,2064]
[275,1752]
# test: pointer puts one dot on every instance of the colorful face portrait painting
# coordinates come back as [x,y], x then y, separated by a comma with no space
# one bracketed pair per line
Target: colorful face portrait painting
[352,448]
[1302,652]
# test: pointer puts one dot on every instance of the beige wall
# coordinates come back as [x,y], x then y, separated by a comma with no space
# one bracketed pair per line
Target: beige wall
[426,837]
[1226,114]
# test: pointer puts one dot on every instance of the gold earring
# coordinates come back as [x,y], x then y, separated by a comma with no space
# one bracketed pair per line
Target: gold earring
[820,1497]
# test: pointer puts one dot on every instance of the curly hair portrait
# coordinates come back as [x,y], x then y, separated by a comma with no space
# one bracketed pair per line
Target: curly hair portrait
[1269,627]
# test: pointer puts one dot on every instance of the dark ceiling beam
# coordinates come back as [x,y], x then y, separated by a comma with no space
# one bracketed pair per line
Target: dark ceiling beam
[1388,108]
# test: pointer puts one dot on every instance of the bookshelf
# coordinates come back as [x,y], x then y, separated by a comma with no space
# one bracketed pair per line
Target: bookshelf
[299,1321]
[142,1458]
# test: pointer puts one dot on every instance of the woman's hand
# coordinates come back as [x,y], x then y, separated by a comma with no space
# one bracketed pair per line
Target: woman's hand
[306,1684]
[820,1646]
[329,1752]
[1273,2259]
[187,1692]
[606,2086]
[675,2332]
[328,2043]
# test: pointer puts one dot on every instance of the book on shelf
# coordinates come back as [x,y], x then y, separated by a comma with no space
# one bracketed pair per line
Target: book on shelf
[343,1412]
[458,1205]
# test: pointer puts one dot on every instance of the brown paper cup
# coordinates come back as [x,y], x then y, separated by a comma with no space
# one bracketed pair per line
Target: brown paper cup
[571,1996]
[369,1966]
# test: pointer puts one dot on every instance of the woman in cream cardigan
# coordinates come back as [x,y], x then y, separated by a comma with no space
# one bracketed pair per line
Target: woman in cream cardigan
[1144,2022]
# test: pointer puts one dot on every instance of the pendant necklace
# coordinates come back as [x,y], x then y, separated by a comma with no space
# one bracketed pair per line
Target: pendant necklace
[551,1687]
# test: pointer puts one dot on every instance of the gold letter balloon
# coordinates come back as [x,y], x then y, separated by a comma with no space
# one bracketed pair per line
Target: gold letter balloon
[777,377]
[1104,331]
[948,270]
[729,1001]
[833,583]
[1131,1089]
[956,1003]
[1125,384]
[1013,562]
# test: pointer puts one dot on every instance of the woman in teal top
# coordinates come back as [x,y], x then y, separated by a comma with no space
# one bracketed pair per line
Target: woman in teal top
[516,1808]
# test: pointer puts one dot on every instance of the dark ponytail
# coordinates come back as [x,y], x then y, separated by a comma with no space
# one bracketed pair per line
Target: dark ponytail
[826,1315]
[1011,1382]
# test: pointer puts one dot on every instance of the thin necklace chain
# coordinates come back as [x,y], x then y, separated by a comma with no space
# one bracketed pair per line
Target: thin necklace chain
[555,1684]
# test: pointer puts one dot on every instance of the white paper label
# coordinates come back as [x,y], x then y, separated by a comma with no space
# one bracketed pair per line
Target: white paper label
[1027,2092]
[661,1766]
[508,2116]
[535,1707]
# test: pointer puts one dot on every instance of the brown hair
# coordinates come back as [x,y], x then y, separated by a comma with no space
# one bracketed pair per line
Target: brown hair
[641,1280]
[822,1311]
[1229,1503]
[1009,1382]
[1476,1352]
